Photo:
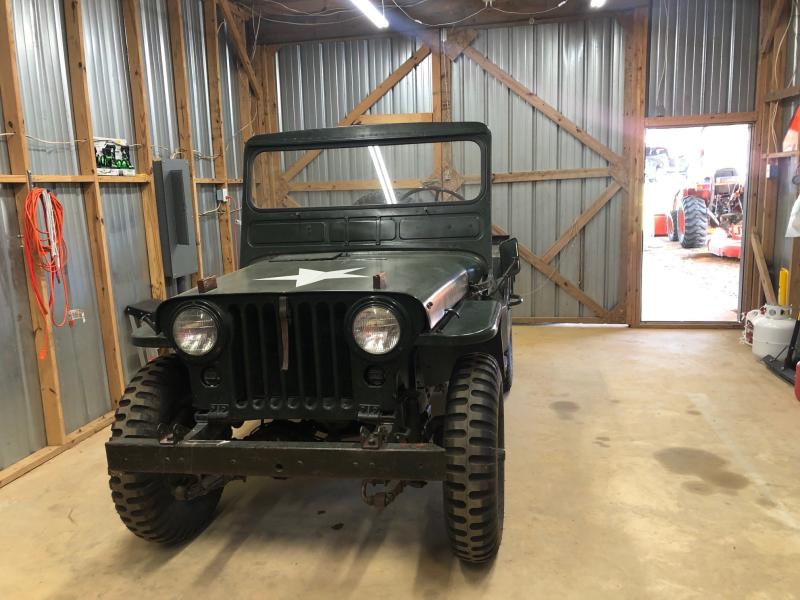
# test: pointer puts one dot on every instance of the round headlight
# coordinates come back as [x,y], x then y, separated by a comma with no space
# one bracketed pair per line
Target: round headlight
[195,331]
[376,329]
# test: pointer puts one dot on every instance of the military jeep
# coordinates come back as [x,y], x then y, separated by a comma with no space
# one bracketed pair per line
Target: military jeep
[367,336]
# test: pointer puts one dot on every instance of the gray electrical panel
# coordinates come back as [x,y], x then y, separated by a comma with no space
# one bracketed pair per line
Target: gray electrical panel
[175,219]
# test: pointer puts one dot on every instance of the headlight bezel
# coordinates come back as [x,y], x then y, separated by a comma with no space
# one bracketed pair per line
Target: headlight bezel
[215,316]
[398,313]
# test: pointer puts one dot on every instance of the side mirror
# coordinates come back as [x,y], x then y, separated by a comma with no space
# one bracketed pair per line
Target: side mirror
[509,257]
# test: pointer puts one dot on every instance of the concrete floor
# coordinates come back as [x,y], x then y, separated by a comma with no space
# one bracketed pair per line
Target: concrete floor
[658,464]
[687,285]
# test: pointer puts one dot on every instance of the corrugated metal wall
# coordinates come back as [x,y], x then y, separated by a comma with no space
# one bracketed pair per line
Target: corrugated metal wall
[320,82]
[788,191]
[41,58]
[79,349]
[127,254]
[230,105]
[235,192]
[160,85]
[703,56]
[578,67]
[110,103]
[209,230]
[196,67]
[107,69]
[21,425]
[4,166]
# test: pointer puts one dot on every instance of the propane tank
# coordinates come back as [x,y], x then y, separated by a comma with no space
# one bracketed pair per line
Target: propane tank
[773,332]
[749,322]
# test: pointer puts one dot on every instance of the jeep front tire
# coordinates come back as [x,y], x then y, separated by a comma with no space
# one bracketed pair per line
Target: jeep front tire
[148,504]
[473,438]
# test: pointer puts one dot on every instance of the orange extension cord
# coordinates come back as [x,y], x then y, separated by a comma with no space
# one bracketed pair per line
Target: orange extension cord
[50,253]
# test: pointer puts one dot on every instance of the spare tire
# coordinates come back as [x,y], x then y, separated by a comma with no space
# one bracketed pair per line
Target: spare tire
[692,222]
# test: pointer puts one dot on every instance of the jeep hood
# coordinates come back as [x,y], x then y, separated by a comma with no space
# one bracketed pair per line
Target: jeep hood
[438,279]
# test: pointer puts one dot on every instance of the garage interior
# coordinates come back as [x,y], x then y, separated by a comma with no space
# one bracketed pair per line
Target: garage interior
[648,453]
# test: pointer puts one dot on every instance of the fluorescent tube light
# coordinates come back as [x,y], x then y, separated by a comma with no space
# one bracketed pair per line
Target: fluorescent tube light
[372,13]
[383,174]
[597,3]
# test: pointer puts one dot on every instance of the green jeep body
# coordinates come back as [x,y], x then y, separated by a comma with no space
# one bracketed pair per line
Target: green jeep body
[285,356]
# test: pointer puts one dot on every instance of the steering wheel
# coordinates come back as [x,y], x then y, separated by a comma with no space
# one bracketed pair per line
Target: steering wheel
[431,188]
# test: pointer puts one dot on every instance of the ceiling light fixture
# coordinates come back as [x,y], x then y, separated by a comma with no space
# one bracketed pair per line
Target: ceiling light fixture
[597,3]
[372,13]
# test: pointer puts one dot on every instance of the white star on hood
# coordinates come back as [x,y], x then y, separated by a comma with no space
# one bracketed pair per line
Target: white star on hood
[309,276]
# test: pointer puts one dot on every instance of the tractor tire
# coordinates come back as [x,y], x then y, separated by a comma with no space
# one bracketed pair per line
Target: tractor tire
[473,490]
[672,226]
[692,222]
[146,502]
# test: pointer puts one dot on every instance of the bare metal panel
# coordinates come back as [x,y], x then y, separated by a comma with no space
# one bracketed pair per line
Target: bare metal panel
[578,67]
[4,166]
[320,82]
[197,70]
[160,85]
[127,256]
[209,230]
[703,56]
[229,84]
[41,57]
[235,192]
[79,349]
[107,69]
[21,421]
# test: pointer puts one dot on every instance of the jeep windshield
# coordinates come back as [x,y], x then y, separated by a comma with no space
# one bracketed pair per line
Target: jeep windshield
[370,175]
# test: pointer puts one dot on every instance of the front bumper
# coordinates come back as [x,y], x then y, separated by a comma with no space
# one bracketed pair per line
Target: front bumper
[342,460]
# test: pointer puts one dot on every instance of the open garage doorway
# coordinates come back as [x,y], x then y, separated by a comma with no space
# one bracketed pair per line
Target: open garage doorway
[694,194]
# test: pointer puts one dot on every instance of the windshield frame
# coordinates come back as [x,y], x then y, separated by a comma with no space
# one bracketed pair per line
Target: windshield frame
[357,136]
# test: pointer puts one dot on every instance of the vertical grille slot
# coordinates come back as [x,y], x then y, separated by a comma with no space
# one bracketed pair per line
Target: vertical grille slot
[254,375]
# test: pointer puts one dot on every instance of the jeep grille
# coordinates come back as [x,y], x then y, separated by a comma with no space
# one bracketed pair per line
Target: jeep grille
[318,377]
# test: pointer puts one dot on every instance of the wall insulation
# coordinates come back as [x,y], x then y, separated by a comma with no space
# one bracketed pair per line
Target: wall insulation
[21,425]
[703,56]
[41,58]
[787,191]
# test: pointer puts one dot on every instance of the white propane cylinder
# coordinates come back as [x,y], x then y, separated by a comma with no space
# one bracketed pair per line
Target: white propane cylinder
[749,322]
[773,332]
